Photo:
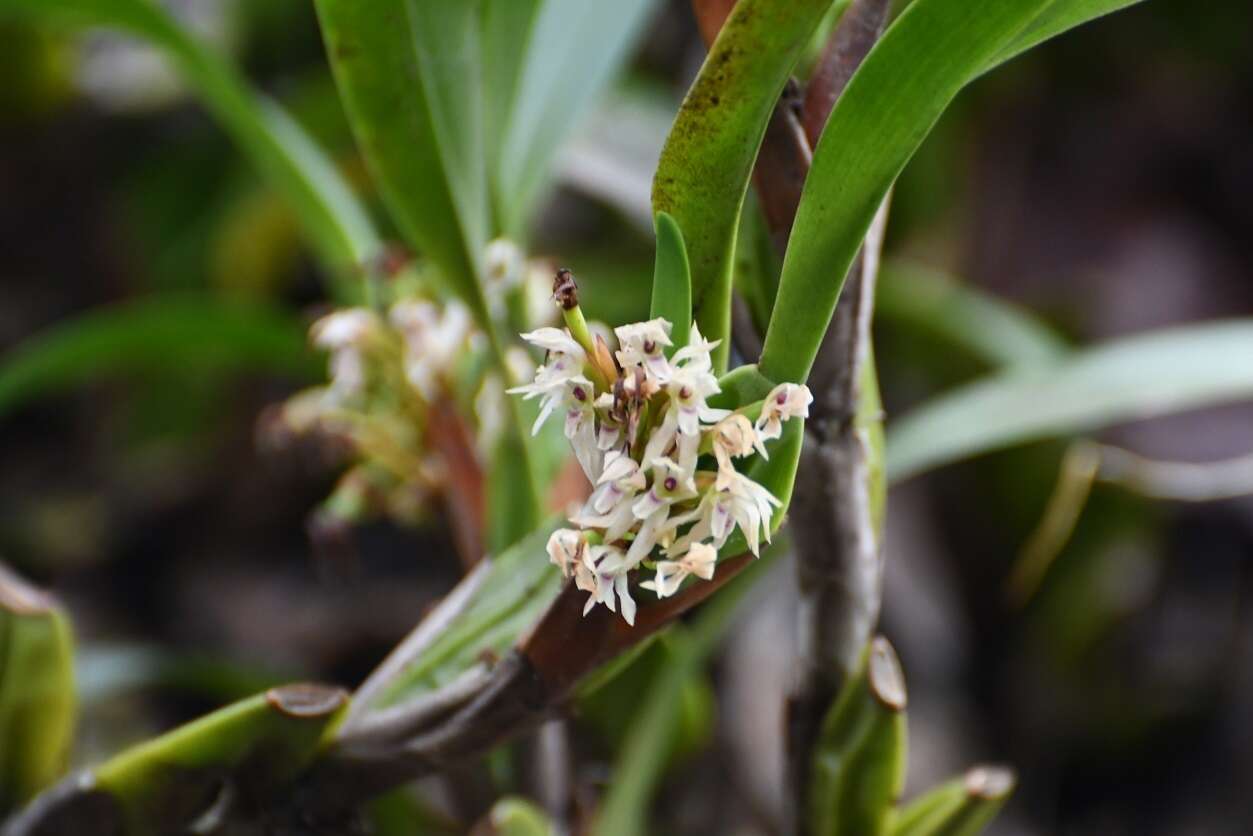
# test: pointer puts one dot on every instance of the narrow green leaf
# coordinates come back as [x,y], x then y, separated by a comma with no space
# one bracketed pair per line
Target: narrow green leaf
[574,50]
[1128,379]
[408,72]
[37,698]
[924,59]
[991,329]
[260,743]
[962,807]
[521,584]
[333,220]
[642,760]
[507,26]
[672,281]
[188,334]
[858,768]
[1058,17]
[705,165]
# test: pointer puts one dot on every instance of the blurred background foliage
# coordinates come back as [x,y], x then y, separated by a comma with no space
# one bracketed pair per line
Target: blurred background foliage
[1097,186]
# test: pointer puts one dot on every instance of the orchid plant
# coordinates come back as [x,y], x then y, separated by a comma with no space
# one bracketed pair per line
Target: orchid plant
[689,453]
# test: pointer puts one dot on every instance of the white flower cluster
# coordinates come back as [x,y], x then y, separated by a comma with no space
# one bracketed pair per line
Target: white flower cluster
[639,425]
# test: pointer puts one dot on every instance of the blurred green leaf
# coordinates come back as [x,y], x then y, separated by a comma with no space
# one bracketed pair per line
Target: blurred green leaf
[613,706]
[337,226]
[573,49]
[991,329]
[408,72]
[707,159]
[859,759]
[961,807]
[37,697]
[187,334]
[1128,379]
[518,817]
[642,761]
[672,281]
[262,742]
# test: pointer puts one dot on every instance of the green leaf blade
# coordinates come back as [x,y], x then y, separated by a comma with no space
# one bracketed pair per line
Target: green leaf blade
[398,71]
[188,334]
[705,165]
[1128,379]
[932,50]
[672,281]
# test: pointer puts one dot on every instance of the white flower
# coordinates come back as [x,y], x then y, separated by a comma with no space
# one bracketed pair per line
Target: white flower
[735,500]
[643,344]
[620,480]
[343,328]
[564,363]
[698,561]
[670,484]
[696,354]
[785,401]
[749,504]
[734,436]
[504,263]
[607,573]
[434,339]
[345,333]
[688,387]
[565,550]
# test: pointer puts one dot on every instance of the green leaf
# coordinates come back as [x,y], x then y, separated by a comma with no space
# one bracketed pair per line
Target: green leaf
[924,59]
[186,334]
[1055,19]
[518,817]
[858,767]
[995,331]
[261,743]
[961,807]
[408,72]
[333,220]
[573,50]
[648,742]
[707,159]
[520,585]
[37,702]
[672,281]
[1128,379]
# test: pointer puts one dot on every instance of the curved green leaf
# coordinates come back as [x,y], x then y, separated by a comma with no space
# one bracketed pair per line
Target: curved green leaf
[672,281]
[1128,379]
[1057,18]
[408,72]
[924,59]
[262,742]
[991,329]
[521,582]
[335,223]
[189,334]
[708,157]
[573,50]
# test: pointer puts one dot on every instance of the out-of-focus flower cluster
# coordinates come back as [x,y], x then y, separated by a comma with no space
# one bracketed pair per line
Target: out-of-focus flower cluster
[397,367]
[666,492]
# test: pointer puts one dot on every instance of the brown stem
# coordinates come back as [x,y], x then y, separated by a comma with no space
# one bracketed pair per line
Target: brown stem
[463,483]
